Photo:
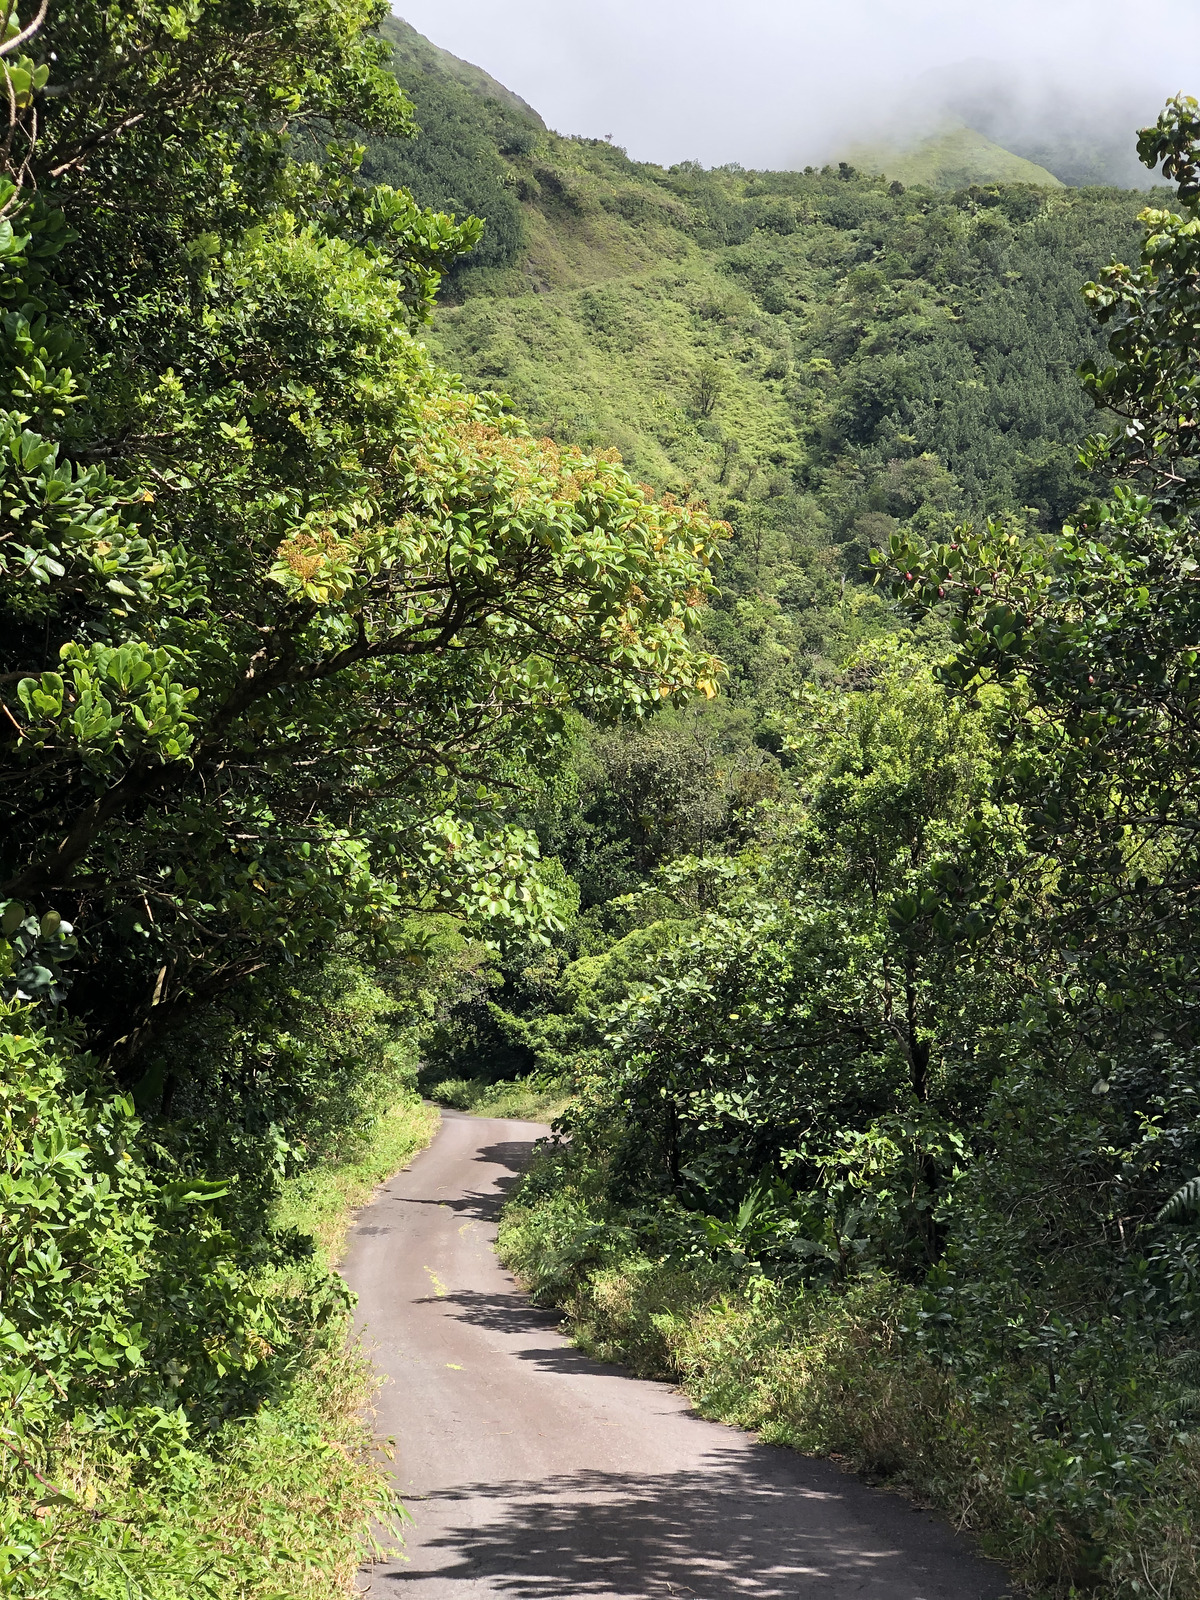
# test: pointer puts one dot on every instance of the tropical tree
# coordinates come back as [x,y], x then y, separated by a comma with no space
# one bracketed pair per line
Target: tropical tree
[841,1009]
[289,618]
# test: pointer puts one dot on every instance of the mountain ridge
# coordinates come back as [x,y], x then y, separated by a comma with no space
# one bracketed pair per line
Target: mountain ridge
[730,329]
[411,47]
[824,357]
[953,156]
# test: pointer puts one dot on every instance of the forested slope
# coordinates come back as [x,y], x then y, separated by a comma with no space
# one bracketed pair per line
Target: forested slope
[818,355]
[821,357]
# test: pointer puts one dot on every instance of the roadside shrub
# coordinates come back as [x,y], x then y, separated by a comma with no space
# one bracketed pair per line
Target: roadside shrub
[134,1322]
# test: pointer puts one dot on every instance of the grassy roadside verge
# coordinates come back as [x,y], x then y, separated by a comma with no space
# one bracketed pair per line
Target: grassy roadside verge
[838,1372]
[321,1201]
[280,1505]
[525,1099]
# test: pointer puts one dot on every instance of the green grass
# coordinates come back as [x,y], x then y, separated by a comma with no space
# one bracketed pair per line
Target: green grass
[523,1099]
[321,1202]
[284,1505]
[837,1372]
[951,158]
[619,364]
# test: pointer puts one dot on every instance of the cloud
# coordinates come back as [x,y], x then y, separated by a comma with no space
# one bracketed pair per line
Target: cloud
[778,83]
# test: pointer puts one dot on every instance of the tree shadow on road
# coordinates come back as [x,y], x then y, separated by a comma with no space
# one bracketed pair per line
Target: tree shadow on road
[754,1523]
[503,1312]
[483,1205]
[512,1154]
[512,1313]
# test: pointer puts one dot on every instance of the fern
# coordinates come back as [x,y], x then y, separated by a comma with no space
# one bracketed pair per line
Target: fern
[1185,1405]
[1183,1201]
[1184,1365]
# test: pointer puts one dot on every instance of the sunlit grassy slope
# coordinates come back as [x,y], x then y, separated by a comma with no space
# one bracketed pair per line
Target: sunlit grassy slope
[950,158]
[822,356]
[741,334]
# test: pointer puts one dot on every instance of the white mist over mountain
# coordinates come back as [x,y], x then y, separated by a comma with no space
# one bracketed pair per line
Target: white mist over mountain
[779,83]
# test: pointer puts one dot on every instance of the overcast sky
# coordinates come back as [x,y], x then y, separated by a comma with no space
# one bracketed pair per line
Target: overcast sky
[781,82]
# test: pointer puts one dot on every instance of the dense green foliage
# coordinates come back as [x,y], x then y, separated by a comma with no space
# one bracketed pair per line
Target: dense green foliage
[291,628]
[827,359]
[824,357]
[344,735]
[813,323]
[879,1003]
[469,133]
[180,1414]
[137,1324]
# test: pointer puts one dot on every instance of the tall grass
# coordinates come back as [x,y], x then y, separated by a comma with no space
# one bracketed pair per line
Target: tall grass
[532,1099]
[321,1201]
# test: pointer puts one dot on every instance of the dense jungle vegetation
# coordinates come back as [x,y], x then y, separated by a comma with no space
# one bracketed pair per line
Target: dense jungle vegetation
[780,750]
[878,1007]
[292,626]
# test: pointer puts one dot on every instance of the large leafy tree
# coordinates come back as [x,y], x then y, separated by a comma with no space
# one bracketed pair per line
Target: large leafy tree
[193,109]
[288,617]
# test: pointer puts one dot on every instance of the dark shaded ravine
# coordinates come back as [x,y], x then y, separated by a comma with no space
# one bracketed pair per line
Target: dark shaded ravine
[532,1472]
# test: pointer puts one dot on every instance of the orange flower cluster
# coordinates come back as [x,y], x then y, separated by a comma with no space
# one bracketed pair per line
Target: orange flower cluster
[307,551]
[483,447]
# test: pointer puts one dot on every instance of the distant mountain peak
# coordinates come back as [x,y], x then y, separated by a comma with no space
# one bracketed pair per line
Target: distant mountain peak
[953,156]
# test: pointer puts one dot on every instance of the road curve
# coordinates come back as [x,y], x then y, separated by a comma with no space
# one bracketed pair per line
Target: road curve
[534,1473]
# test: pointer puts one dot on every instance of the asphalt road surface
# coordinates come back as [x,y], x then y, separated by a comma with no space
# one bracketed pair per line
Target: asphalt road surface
[534,1473]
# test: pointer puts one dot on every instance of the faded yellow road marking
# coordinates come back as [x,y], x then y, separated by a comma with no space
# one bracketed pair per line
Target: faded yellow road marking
[439,1288]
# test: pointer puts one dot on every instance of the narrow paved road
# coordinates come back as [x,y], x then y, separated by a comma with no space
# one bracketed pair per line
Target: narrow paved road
[534,1473]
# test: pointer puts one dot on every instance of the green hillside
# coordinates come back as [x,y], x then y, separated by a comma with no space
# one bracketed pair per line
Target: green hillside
[412,50]
[472,130]
[951,158]
[821,355]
